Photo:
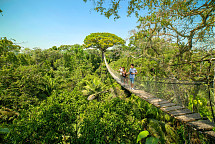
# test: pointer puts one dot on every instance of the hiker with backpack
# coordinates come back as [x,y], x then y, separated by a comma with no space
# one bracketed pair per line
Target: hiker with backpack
[124,75]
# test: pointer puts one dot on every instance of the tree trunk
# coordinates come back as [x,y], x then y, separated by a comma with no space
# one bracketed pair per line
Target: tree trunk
[102,56]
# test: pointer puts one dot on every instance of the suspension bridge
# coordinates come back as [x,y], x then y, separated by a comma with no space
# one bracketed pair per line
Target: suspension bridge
[174,107]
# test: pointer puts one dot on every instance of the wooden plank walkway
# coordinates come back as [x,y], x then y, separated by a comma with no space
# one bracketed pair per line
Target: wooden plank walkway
[178,112]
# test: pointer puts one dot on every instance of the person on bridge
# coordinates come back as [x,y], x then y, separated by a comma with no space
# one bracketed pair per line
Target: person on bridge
[124,75]
[120,72]
[132,73]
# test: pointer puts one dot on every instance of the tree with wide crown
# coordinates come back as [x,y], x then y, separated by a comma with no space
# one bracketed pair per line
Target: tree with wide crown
[102,41]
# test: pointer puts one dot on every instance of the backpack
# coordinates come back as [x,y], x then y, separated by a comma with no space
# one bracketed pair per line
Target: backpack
[124,74]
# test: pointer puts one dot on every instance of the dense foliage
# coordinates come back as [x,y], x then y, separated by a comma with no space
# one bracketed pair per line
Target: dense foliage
[44,100]
[102,41]
[65,94]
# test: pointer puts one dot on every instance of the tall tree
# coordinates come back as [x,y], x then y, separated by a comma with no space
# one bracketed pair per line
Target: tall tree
[8,46]
[184,21]
[102,41]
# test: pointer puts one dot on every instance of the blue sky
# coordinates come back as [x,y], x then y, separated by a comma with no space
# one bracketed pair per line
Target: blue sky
[47,23]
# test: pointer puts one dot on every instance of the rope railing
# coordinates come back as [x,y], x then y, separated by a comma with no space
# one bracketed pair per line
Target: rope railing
[189,94]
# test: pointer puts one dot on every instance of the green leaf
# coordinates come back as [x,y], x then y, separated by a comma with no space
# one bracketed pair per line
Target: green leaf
[4,130]
[152,140]
[142,135]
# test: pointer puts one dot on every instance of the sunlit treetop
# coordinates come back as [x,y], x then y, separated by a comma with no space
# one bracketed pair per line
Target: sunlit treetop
[102,41]
[8,46]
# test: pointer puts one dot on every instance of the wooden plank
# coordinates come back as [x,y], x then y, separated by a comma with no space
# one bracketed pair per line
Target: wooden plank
[180,112]
[157,104]
[167,104]
[147,96]
[144,97]
[154,100]
[210,133]
[173,108]
[138,92]
[189,117]
[161,102]
[202,125]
